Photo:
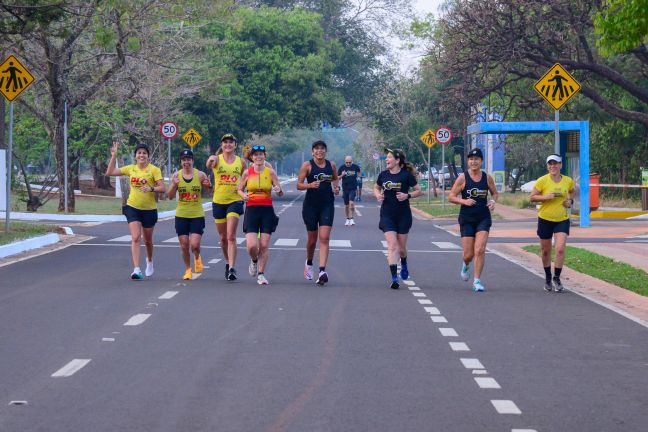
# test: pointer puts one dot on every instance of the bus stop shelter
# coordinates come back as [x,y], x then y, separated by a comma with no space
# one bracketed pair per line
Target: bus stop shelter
[543,127]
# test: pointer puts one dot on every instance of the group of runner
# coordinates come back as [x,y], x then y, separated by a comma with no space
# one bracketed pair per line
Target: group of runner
[237,182]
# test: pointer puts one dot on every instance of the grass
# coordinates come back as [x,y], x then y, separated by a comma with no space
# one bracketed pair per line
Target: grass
[604,268]
[23,230]
[90,205]
[517,200]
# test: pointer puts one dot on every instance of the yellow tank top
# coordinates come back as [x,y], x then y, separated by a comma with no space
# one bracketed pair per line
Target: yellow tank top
[189,197]
[139,177]
[259,187]
[226,178]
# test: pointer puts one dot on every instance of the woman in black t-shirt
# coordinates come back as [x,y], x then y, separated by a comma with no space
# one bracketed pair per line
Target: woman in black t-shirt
[392,188]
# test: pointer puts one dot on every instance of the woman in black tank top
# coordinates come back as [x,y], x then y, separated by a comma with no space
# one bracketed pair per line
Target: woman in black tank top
[318,177]
[471,190]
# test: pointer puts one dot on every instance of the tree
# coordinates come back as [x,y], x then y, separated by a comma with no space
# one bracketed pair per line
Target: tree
[623,26]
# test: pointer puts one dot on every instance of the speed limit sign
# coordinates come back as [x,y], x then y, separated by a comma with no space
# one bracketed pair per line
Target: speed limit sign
[443,135]
[169,130]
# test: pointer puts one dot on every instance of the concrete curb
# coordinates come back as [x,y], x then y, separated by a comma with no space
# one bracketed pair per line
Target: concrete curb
[28,244]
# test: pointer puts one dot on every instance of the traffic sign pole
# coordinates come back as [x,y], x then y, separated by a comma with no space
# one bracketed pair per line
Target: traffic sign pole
[443,176]
[169,159]
[429,173]
[9,169]
[557,132]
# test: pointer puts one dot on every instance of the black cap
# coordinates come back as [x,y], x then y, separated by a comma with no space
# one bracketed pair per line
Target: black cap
[186,153]
[319,143]
[143,146]
[476,152]
[228,136]
[397,153]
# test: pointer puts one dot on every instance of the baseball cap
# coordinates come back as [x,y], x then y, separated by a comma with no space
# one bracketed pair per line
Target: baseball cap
[319,143]
[397,153]
[555,158]
[186,153]
[476,152]
[143,146]
[228,136]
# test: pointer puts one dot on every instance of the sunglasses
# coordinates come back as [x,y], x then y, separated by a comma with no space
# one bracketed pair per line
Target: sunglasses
[258,147]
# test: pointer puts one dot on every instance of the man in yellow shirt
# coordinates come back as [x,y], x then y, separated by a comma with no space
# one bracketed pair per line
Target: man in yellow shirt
[555,193]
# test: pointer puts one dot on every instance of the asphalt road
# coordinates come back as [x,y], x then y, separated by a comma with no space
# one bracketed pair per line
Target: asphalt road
[83,348]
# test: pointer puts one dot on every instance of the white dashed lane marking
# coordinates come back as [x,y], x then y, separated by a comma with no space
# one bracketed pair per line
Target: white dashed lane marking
[214,261]
[446,245]
[340,243]
[432,310]
[439,319]
[506,406]
[459,346]
[71,368]
[168,295]
[125,238]
[425,301]
[137,319]
[418,294]
[448,332]
[472,363]
[487,383]
[286,242]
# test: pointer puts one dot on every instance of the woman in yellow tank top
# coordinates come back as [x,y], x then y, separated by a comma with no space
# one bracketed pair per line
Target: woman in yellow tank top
[257,184]
[227,205]
[141,208]
[190,215]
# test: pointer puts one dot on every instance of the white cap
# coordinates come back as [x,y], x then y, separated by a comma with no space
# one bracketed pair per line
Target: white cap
[554,157]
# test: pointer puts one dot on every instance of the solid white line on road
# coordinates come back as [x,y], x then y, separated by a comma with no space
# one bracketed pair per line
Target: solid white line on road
[448,332]
[384,243]
[107,339]
[459,346]
[340,243]
[432,310]
[125,238]
[523,430]
[171,240]
[286,242]
[418,294]
[426,301]
[409,282]
[214,261]
[137,319]
[446,230]
[472,363]
[446,245]
[487,383]
[505,406]
[439,319]
[71,368]
[480,372]
[168,295]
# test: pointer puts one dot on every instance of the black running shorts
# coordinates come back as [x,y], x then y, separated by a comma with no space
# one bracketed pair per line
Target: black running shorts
[398,221]
[222,211]
[546,229]
[349,196]
[260,218]
[469,226]
[148,218]
[185,226]
[315,216]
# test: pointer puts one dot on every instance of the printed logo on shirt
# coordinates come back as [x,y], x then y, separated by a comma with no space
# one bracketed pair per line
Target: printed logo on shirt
[476,192]
[390,185]
[323,177]
[138,181]
[557,193]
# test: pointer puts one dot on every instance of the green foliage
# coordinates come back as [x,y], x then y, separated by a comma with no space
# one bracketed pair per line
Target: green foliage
[622,25]
[23,230]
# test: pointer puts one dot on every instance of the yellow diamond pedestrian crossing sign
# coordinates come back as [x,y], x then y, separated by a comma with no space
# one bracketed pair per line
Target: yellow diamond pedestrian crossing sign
[557,86]
[14,78]
[428,138]
[192,137]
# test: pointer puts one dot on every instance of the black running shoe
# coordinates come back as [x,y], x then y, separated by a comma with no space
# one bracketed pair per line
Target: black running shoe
[322,278]
[394,283]
[231,275]
[227,271]
[558,286]
[548,287]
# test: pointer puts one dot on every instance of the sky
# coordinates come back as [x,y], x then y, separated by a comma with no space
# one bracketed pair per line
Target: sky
[409,59]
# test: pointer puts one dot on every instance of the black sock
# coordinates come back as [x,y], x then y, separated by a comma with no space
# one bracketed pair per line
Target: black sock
[404,261]
[260,273]
[309,262]
[322,269]
[547,274]
[557,271]
[393,268]
[255,260]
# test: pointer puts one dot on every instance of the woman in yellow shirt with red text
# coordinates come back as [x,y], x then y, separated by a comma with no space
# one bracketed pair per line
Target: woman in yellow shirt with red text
[140,209]
[555,193]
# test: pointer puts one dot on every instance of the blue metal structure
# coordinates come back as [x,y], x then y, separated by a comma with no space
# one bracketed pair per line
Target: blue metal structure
[531,127]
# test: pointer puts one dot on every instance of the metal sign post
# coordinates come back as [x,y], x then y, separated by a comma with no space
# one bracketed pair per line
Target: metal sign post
[443,136]
[429,173]
[557,132]
[429,140]
[9,168]
[169,158]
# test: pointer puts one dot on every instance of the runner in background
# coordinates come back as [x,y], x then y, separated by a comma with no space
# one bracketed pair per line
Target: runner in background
[227,206]
[361,175]
[318,177]
[190,215]
[257,184]
[349,174]
[140,209]
[470,190]
[555,193]
[392,188]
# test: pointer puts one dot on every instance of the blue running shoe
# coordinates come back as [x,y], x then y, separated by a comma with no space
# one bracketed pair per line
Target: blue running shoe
[477,286]
[394,283]
[404,273]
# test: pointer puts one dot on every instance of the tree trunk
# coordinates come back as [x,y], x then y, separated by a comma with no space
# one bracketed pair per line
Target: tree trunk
[59,152]
[3,126]
[100,180]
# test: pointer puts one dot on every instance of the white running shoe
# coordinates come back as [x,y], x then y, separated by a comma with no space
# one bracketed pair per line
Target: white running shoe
[308,271]
[149,268]
[253,269]
[347,222]
[477,286]
[464,272]
[261,280]
[351,222]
